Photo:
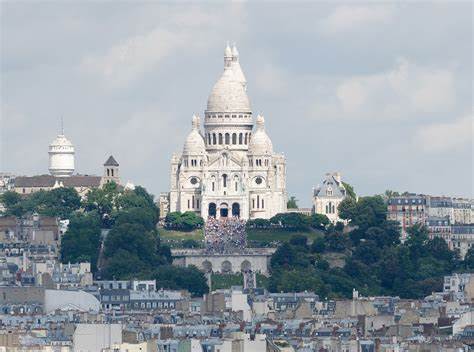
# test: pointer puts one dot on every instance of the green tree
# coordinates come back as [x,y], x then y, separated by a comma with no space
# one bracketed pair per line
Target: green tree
[123,265]
[291,221]
[60,202]
[318,245]
[103,201]
[337,242]
[135,239]
[319,221]
[349,190]
[13,204]
[187,221]
[299,240]
[143,216]
[292,203]
[190,278]
[468,262]
[81,242]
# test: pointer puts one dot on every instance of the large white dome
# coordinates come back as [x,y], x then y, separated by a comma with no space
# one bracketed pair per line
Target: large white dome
[194,142]
[260,143]
[228,94]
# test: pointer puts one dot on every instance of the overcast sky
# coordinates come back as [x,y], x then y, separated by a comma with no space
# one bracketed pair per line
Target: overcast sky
[380,92]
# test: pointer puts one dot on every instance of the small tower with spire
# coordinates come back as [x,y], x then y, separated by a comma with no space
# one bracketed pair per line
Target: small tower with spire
[111,171]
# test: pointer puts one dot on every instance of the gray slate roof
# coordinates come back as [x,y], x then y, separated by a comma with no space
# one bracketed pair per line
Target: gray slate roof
[338,189]
[111,162]
[48,181]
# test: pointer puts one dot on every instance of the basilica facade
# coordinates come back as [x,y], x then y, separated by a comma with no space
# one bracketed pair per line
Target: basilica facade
[228,167]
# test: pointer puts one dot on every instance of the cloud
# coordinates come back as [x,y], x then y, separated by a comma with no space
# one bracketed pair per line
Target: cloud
[130,59]
[446,136]
[401,92]
[346,18]
[271,80]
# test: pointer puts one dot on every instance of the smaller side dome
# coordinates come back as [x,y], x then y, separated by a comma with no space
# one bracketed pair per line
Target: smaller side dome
[194,142]
[260,143]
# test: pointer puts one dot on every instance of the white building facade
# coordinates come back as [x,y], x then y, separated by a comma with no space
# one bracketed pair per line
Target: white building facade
[228,168]
[328,196]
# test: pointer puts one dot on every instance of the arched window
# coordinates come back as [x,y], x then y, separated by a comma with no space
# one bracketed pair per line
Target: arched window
[258,201]
[108,172]
[213,186]
[227,138]
[246,138]
[234,138]
[212,210]
[214,141]
[240,138]
[209,138]
[220,138]
[327,209]
[112,172]
[236,210]
[224,180]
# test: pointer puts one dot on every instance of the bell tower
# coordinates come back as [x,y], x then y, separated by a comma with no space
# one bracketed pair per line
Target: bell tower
[111,171]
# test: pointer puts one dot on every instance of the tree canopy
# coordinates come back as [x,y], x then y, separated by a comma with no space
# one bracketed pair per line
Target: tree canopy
[376,262]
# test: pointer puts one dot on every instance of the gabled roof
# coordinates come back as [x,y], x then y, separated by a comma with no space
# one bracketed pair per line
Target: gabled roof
[111,162]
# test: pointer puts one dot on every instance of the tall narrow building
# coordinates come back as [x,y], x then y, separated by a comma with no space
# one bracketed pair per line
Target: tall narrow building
[228,168]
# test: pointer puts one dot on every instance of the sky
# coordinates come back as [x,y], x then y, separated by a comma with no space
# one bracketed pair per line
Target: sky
[381,92]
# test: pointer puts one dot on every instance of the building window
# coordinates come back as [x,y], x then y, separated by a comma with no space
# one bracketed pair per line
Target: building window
[240,137]
[213,186]
[220,138]
[214,139]
[234,138]
[188,204]
[224,180]
[227,138]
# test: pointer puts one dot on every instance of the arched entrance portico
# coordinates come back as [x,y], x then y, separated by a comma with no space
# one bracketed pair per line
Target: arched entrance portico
[236,210]
[224,210]
[212,210]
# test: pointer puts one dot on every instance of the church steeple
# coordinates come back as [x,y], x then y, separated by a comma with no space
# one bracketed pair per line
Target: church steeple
[111,171]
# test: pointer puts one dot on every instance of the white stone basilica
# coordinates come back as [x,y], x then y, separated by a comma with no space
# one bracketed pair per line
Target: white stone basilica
[229,169]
